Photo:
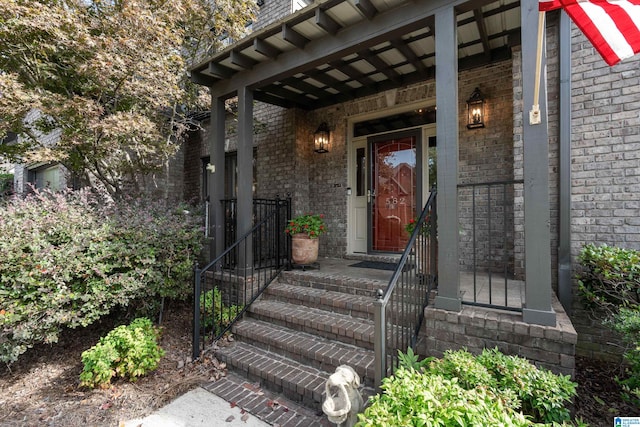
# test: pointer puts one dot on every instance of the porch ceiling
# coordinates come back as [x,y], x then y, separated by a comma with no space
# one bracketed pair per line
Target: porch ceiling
[338,50]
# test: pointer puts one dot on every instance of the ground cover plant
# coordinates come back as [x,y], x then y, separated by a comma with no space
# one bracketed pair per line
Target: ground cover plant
[609,281]
[67,259]
[461,389]
[128,351]
[215,315]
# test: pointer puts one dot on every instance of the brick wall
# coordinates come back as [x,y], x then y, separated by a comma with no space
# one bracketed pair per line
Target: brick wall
[485,156]
[605,171]
[271,11]
[476,328]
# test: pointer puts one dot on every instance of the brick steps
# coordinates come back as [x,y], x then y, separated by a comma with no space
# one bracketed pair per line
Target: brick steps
[333,282]
[294,380]
[264,404]
[334,326]
[304,326]
[336,302]
[305,348]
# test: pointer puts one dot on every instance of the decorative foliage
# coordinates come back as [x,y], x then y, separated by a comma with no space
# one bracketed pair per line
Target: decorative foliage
[127,352]
[461,389]
[214,313]
[411,360]
[609,281]
[411,398]
[70,258]
[627,323]
[310,224]
[101,86]
[609,277]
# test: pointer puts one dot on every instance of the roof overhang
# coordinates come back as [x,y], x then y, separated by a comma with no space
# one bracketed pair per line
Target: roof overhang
[337,50]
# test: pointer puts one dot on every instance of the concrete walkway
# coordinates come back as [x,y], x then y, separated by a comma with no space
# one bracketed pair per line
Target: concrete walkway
[197,408]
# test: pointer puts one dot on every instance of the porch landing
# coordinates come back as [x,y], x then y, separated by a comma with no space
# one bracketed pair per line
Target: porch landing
[475,327]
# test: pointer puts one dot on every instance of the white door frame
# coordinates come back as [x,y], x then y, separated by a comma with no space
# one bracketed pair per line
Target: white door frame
[354,234]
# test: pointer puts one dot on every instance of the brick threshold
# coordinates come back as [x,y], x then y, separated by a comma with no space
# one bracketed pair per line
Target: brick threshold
[270,407]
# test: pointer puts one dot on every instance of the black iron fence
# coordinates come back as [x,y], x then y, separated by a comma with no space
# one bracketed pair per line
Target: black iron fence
[262,209]
[491,247]
[226,287]
[399,310]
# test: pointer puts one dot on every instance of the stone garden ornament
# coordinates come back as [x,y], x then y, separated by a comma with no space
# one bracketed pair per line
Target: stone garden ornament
[343,400]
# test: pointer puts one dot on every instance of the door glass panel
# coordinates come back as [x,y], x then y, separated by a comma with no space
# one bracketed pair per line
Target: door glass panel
[361,170]
[393,186]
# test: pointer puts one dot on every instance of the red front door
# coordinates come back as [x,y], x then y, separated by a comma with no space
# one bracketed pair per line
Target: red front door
[393,190]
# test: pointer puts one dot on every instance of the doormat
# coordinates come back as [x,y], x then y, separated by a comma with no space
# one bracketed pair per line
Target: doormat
[379,265]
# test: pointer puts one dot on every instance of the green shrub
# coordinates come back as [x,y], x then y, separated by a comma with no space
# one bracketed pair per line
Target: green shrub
[511,380]
[412,398]
[411,360]
[462,365]
[609,277]
[129,351]
[214,313]
[627,323]
[66,259]
[609,281]
[542,394]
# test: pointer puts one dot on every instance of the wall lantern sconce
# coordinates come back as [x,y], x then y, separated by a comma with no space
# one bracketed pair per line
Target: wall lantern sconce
[321,139]
[475,110]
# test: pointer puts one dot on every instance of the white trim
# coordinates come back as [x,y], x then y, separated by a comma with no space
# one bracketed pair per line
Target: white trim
[427,130]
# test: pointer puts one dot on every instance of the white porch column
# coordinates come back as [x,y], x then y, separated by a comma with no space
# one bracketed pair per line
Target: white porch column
[245,174]
[536,179]
[447,149]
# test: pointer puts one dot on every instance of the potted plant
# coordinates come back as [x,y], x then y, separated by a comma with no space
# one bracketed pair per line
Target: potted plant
[305,231]
[425,229]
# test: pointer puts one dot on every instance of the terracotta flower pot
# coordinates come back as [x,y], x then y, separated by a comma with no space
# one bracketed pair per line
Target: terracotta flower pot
[304,250]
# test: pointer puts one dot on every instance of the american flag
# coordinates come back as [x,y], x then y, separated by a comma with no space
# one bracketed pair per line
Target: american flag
[612,26]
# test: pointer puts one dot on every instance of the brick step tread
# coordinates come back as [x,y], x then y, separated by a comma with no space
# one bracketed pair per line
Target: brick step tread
[268,406]
[335,326]
[306,348]
[339,302]
[298,382]
[333,282]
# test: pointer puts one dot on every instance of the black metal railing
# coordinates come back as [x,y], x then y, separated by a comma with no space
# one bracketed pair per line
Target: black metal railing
[489,245]
[228,285]
[399,310]
[262,208]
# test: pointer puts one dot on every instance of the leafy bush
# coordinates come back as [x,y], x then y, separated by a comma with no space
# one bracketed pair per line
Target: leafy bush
[66,259]
[127,351]
[411,360]
[627,323]
[462,365]
[512,382]
[609,281]
[214,312]
[412,398]
[609,277]
[541,393]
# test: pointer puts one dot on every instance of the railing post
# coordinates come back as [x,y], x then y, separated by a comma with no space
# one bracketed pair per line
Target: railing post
[288,237]
[196,311]
[379,339]
[278,231]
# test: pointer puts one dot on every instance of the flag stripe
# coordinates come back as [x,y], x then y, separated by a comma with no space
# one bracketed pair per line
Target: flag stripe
[547,5]
[612,27]
[601,30]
